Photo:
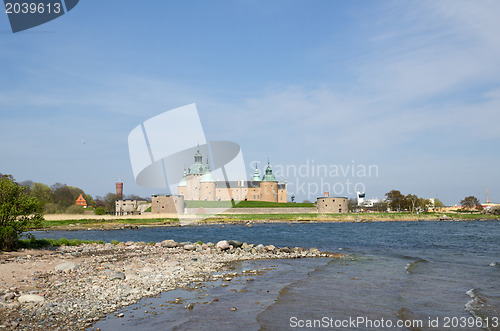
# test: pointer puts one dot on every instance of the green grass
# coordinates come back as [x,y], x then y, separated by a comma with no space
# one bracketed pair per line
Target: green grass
[207,204]
[266,204]
[94,222]
[245,204]
[343,217]
[253,217]
[40,243]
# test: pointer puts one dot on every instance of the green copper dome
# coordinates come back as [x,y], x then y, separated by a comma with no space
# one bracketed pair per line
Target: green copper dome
[256,175]
[197,168]
[183,180]
[207,178]
[269,177]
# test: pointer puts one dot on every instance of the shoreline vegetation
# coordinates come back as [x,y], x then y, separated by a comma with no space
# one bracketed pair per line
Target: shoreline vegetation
[73,287]
[95,222]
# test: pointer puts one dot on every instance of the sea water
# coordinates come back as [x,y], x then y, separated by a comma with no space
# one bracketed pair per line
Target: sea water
[396,276]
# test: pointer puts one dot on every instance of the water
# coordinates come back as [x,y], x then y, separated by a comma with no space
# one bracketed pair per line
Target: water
[431,275]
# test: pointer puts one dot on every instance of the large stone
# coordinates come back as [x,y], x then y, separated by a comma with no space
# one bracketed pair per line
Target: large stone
[235,243]
[314,250]
[67,266]
[259,248]
[117,275]
[169,243]
[286,250]
[223,245]
[189,247]
[270,248]
[30,298]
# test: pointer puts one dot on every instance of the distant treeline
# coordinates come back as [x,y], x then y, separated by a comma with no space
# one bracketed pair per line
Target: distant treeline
[60,198]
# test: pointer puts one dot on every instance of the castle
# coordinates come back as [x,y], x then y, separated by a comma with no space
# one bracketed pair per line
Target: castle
[199,184]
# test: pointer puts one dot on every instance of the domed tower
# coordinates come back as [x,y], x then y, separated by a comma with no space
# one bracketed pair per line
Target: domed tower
[256,175]
[193,177]
[207,185]
[181,188]
[269,186]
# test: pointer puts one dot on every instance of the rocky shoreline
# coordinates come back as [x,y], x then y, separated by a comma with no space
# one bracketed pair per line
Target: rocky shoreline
[72,287]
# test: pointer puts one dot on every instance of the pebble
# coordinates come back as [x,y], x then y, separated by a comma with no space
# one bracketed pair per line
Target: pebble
[30,298]
[67,266]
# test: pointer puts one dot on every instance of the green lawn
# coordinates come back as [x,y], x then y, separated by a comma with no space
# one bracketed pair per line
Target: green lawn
[93,222]
[245,204]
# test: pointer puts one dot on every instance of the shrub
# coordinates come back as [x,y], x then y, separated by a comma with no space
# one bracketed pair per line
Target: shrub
[75,209]
[100,211]
[51,208]
[18,211]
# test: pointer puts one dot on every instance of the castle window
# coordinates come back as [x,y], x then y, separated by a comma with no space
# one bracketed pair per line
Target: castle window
[254,197]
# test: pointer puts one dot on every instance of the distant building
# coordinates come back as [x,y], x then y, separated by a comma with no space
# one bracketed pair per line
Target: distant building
[119,189]
[129,207]
[332,205]
[81,201]
[199,184]
[366,203]
[167,204]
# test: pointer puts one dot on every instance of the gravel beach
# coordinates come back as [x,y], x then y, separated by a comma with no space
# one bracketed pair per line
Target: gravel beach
[72,287]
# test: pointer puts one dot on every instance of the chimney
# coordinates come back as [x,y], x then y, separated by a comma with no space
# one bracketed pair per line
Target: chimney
[119,190]
[327,194]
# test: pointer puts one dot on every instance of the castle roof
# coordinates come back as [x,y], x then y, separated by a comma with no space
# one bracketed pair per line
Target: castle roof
[207,178]
[198,168]
[269,177]
[256,176]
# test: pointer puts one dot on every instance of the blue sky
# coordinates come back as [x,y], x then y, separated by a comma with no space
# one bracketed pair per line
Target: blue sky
[411,87]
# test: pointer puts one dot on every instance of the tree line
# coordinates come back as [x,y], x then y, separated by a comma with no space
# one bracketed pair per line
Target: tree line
[60,198]
[410,202]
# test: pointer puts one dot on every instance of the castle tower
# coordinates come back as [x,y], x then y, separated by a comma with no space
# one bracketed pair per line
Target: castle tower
[269,186]
[181,188]
[207,185]
[256,176]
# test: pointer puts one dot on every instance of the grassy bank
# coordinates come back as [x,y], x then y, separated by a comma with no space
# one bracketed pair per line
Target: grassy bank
[99,223]
[351,217]
[231,218]
[245,204]
[40,243]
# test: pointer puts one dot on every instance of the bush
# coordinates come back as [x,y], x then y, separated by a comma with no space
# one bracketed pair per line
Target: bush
[51,208]
[100,211]
[75,209]
[18,211]
[114,242]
